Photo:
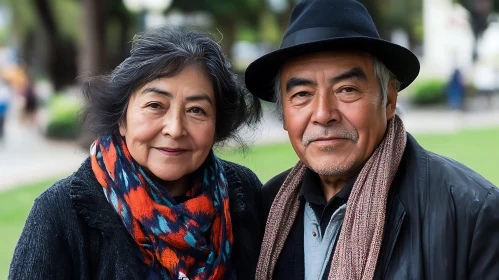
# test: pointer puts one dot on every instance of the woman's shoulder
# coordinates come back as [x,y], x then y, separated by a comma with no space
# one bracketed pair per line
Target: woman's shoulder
[239,174]
[56,196]
[59,199]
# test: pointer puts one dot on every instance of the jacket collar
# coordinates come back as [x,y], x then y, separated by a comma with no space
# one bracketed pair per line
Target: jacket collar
[412,173]
[90,203]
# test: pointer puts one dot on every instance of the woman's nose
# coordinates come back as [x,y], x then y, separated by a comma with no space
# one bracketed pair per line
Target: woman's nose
[173,124]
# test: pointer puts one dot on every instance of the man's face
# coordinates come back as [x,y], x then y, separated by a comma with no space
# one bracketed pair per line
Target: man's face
[333,112]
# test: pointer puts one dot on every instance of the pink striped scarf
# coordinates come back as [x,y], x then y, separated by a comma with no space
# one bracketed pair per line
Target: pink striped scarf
[359,242]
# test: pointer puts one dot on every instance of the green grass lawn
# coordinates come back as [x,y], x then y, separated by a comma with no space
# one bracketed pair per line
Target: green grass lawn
[14,208]
[478,149]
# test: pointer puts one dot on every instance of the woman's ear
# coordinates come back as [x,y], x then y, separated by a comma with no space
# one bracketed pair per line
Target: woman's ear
[122,128]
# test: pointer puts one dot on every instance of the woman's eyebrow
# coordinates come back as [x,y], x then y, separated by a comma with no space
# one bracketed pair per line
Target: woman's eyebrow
[199,97]
[156,90]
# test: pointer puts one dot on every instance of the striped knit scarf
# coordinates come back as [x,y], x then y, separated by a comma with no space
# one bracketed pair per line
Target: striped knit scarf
[191,239]
[359,243]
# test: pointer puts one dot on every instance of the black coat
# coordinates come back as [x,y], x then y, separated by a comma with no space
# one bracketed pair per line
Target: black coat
[442,223]
[72,232]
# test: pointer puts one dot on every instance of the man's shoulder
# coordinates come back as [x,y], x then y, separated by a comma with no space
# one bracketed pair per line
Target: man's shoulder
[457,177]
[438,174]
[271,188]
[444,184]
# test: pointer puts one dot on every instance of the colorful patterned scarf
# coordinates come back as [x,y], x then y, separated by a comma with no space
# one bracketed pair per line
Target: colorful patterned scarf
[359,242]
[193,238]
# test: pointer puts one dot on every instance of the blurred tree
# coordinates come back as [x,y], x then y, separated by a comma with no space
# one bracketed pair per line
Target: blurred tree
[61,51]
[479,13]
[63,39]
[389,15]
[386,14]
[229,16]
[93,46]
[102,50]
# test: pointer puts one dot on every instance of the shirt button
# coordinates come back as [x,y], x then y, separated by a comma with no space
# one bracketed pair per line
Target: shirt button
[314,234]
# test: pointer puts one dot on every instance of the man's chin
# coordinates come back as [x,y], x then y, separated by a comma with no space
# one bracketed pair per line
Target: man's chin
[336,168]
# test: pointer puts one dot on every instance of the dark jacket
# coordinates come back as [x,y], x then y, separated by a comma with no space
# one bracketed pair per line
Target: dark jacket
[442,223]
[73,232]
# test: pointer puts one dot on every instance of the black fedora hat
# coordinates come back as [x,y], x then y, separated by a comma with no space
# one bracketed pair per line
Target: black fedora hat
[326,25]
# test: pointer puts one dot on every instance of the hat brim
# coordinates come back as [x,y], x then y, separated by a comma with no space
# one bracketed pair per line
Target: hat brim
[260,74]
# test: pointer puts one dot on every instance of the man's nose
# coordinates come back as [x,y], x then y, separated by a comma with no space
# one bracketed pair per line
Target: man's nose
[325,109]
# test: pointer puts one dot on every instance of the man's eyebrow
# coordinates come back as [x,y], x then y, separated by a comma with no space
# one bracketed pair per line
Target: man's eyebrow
[294,82]
[199,97]
[355,72]
[156,90]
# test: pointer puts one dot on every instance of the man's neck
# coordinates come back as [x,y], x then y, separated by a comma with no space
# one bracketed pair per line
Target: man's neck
[332,185]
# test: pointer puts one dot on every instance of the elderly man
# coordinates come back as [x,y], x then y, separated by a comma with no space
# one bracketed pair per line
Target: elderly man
[365,201]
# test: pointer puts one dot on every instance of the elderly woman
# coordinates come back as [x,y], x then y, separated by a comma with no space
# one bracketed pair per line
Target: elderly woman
[153,201]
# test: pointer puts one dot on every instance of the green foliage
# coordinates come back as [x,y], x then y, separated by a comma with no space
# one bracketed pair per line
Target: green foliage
[242,10]
[269,28]
[394,14]
[63,117]
[23,16]
[247,33]
[68,16]
[429,91]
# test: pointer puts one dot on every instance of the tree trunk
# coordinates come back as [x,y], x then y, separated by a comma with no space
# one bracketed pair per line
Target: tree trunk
[60,54]
[93,49]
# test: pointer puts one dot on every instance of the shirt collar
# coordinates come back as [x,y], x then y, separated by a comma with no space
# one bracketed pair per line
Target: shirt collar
[311,189]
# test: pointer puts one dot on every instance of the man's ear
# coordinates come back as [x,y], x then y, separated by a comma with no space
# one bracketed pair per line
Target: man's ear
[391,99]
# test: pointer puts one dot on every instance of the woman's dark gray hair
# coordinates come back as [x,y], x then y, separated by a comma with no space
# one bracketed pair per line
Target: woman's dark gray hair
[164,52]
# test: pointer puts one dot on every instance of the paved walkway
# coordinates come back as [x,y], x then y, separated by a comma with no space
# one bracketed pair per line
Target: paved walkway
[25,156]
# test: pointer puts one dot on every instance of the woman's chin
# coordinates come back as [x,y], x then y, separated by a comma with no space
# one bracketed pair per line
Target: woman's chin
[170,177]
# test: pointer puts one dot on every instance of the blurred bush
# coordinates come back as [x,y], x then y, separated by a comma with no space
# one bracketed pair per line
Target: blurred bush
[63,117]
[430,91]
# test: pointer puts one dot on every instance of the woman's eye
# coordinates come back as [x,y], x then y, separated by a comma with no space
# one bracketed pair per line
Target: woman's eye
[155,106]
[196,110]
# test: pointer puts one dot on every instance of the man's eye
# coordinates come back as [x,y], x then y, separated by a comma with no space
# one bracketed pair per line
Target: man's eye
[301,94]
[347,90]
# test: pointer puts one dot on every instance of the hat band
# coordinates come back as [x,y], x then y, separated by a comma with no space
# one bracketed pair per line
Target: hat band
[314,34]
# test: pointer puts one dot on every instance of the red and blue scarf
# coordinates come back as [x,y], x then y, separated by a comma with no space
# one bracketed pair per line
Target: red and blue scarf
[193,238]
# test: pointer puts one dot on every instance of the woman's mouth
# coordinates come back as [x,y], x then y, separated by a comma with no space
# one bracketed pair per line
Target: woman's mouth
[172,151]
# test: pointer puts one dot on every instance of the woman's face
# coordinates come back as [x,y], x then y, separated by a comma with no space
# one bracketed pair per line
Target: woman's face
[170,123]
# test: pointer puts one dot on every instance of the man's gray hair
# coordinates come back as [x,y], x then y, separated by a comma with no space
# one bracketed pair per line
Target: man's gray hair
[383,74]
